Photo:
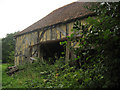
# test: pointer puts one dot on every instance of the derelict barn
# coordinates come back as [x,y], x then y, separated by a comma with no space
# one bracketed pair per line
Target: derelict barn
[42,38]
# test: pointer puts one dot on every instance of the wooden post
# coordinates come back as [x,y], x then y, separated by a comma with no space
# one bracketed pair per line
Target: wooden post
[30,53]
[60,35]
[67,56]
[51,33]
[46,36]
[67,30]
[38,40]
[40,53]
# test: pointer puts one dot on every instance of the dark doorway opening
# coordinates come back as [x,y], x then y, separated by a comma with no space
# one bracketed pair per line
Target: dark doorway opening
[52,51]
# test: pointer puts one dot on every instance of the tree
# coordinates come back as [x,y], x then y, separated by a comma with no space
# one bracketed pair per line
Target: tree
[8,47]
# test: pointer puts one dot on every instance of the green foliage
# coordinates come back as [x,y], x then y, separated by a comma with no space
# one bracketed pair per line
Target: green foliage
[6,80]
[99,41]
[43,75]
[8,48]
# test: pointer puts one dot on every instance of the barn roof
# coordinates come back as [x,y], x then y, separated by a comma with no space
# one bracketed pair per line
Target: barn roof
[68,12]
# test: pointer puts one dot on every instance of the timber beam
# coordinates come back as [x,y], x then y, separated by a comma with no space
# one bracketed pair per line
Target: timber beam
[62,31]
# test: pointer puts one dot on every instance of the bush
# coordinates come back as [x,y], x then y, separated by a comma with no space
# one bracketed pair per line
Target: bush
[98,51]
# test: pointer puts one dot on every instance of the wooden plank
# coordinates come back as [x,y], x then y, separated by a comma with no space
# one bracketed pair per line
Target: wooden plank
[20,60]
[60,35]
[46,36]
[38,51]
[67,30]
[42,34]
[51,33]
[40,55]
[38,33]
[34,52]
[30,52]
[54,34]
[62,31]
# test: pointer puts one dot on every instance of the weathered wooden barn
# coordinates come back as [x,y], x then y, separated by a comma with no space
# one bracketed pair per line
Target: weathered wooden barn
[42,38]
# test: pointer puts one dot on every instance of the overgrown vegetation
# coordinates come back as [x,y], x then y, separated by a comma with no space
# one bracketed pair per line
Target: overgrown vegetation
[43,75]
[99,46]
[97,56]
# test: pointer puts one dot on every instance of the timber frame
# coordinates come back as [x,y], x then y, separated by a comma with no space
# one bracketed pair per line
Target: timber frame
[52,39]
[29,44]
[55,33]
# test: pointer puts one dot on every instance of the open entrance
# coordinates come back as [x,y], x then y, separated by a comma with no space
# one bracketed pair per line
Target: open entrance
[51,50]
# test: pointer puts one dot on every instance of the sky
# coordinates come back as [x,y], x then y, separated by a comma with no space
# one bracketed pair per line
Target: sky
[16,15]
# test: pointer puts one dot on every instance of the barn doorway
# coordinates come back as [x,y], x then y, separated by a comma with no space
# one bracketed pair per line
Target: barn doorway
[52,50]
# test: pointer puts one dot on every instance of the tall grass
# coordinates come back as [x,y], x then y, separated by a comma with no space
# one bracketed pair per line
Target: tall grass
[40,75]
[43,75]
[32,75]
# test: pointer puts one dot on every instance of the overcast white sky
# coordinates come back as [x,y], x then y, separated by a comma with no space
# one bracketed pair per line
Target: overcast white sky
[16,15]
